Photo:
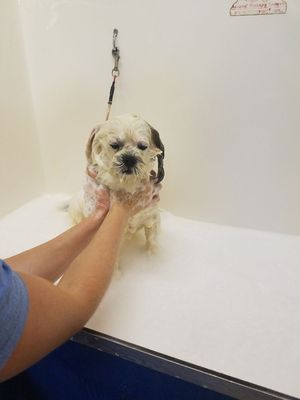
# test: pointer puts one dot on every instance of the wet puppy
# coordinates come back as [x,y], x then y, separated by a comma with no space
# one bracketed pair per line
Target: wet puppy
[122,154]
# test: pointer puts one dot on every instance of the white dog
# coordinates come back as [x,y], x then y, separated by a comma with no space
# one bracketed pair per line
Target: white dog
[121,155]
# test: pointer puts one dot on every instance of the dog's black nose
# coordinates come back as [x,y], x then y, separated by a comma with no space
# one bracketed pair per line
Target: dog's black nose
[129,161]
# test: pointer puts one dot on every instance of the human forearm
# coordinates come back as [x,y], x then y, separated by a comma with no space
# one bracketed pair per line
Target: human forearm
[89,274]
[49,260]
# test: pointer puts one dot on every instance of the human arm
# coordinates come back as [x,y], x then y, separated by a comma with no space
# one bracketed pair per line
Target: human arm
[58,312]
[50,260]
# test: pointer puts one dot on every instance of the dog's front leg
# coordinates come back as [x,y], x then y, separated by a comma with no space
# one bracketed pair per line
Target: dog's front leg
[117,266]
[151,233]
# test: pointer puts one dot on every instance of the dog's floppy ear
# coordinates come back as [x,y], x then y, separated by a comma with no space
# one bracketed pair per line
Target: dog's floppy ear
[160,157]
[88,150]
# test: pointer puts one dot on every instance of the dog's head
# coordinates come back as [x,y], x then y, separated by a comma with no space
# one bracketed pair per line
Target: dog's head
[123,151]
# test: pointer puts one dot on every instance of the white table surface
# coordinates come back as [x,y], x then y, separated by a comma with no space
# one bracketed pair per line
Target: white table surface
[223,298]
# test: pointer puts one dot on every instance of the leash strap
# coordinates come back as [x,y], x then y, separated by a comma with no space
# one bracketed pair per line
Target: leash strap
[115,72]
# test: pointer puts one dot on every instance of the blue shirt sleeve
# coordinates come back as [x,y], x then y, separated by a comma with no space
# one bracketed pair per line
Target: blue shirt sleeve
[13,310]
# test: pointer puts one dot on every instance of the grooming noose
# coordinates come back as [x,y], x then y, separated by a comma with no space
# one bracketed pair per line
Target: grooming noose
[115,71]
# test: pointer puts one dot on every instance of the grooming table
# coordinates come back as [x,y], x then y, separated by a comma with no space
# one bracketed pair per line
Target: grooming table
[218,306]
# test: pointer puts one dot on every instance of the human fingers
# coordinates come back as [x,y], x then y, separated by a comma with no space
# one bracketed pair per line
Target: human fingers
[102,198]
[91,173]
[156,188]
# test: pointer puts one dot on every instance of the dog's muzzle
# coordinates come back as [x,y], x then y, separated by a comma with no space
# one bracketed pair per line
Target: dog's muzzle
[128,164]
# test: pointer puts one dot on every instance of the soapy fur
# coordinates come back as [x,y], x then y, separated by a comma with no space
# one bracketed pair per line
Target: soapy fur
[105,169]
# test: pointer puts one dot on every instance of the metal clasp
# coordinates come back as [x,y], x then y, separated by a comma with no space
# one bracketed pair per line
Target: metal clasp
[116,54]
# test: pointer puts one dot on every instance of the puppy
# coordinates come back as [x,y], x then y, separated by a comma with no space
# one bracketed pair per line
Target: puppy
[122,154]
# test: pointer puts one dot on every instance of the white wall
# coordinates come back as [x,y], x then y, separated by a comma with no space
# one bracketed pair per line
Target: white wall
[223,91]
[21,176]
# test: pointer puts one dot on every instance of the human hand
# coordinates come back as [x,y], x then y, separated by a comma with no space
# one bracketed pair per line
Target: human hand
[133,203]
[96,197]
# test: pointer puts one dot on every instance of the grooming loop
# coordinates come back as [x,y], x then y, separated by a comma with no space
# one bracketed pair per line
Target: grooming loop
[115,71]
[116,54]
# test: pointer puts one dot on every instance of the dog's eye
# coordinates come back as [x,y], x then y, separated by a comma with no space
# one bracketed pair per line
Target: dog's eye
[115,146]
[142,146]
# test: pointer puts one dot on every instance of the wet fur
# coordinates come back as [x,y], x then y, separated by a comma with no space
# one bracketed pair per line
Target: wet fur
[132,134]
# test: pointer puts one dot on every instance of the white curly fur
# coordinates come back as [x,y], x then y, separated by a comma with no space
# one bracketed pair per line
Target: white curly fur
[134,137]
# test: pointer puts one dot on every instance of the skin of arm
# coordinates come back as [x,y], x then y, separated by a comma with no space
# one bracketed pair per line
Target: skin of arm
[50,260]
[57,312]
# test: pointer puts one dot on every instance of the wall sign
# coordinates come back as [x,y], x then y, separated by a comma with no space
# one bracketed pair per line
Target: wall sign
[258,7]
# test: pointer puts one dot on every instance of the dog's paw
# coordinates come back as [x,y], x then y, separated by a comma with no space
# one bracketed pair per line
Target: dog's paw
[151,248]
[117,273]
[117,270]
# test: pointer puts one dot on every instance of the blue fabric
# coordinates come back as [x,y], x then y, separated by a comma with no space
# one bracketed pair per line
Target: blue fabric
[13,310]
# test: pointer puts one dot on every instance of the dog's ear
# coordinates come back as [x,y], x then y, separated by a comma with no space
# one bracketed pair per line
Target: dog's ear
[88,150]
[160,157]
